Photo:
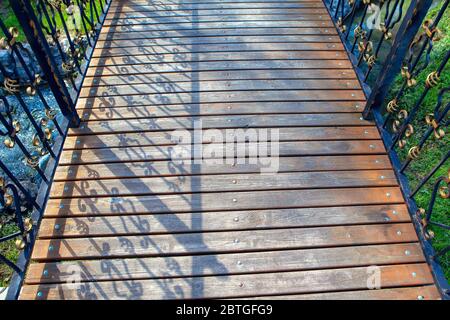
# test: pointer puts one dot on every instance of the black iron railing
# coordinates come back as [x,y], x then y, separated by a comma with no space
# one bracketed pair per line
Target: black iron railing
[43,59]
[396,51]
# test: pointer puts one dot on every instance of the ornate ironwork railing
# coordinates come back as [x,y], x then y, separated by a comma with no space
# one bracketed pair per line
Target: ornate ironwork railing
[396,50]
[43,59]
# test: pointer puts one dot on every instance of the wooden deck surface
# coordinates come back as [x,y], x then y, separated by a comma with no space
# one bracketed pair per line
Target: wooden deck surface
[133,224]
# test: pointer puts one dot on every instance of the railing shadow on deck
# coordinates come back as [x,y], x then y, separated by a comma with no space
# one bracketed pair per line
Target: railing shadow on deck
[89,290]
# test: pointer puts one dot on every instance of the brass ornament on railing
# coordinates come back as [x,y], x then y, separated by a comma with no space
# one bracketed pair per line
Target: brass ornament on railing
[48,133]
[444,191]
[8,43]
[370,59]
[409,130]
[366,47]
[7,198]
[360,32]
[439,133]
[10,140]
[392,106]
[50,113]
[68,67]
[341,25]
[414,153]
[386,33]
[3,43]
[11,85]
[55,3]
[33,161]
[31,90]
[432,79]
[421,214]
[434,34]
[410,81]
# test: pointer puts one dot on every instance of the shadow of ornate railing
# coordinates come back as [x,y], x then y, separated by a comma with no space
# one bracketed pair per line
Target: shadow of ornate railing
[45,48]
[401,57]
[396,47]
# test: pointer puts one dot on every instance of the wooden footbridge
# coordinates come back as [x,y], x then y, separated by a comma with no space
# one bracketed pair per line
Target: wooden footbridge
[126,221]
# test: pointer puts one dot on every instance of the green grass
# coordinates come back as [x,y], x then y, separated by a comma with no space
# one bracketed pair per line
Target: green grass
[9,250]
[434,150]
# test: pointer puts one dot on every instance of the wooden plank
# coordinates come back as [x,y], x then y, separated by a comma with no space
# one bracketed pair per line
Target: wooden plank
[212,25]
[158,7]
[232,32]
[164,168]
[428,292]
[171,79]
[192,41]
[223,201]
[219,152]
[243,122]
[162,67]
[218,86]
[235,108]
[220,221]
[224,47]
[166,137]
[220,242]
[218,97]
[212,18]
[224,183]
[238,285]
[286,260]
[229,32]
[218,56]
[214,12]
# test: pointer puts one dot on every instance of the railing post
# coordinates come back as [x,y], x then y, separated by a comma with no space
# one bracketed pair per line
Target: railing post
[36,39]
[412,21]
